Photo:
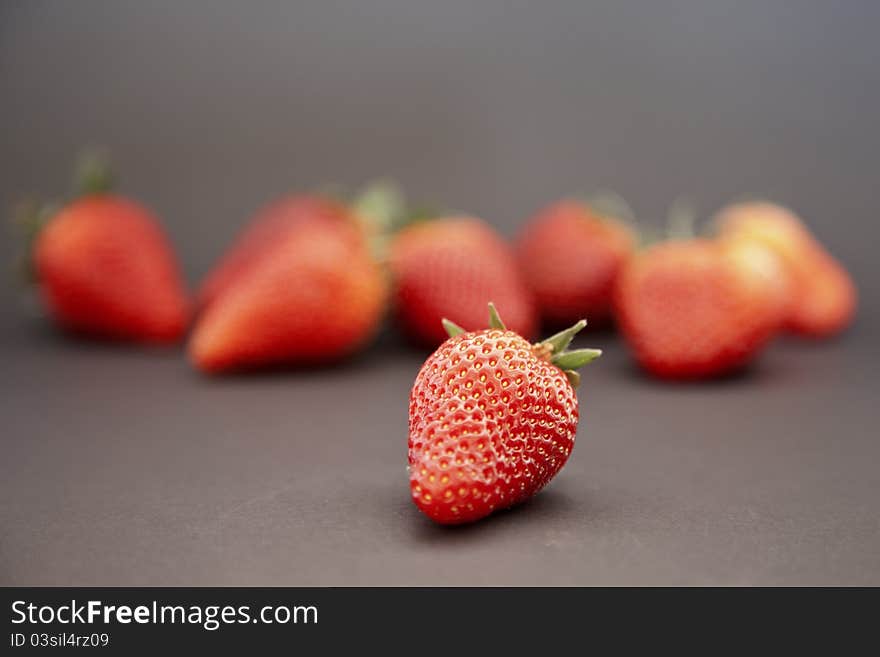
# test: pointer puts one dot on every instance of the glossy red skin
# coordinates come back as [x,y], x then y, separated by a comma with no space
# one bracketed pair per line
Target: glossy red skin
[315,297]
[570,258]
[490,424]
[267,227]
[690,310]
[452,268]
[824,298]
[106,269]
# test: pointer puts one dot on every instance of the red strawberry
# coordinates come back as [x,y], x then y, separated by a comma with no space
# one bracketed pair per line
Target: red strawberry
[452,267]
[767,273]
[265,229]
[492,419]
[570,256]
[105,268]
[316,295]
[823,297]
[696,308]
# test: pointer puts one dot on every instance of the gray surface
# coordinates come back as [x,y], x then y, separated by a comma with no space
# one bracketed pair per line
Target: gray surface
[123,467]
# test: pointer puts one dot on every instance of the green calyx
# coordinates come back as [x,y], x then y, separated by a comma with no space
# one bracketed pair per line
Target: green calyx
[93,174]
[29,217]
[383,210]
[681,220]
[559,342]
[379,207]
[607,203]
[554,349]
[452,329]
[495,319]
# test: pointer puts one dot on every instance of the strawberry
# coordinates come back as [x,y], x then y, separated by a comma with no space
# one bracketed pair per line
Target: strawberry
[315,295]
[766,272]
[823,296]
[267,226]
[105,268]
[697,308]
[452,267]
[492,419]
[570,255]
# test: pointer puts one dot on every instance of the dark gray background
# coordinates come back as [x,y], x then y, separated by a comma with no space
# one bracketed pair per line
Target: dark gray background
[123,467]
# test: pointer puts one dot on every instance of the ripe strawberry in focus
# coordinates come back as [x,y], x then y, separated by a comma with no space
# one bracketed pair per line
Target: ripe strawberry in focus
[570,255]
[105,268]
[265,229]
[823,295]
[696,308]
[492,419]
[452,267]
[314,296]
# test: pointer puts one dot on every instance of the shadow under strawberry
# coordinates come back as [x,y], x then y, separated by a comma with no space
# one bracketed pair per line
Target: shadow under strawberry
[50,336]
[358,362]
[553,505]
[752,374]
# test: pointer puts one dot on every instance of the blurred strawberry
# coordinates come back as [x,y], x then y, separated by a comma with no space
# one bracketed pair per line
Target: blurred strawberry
[771,279]
[313,294]
[823,295]
[378,204]
[570,254]
[104,266]
[697,308]
[452,267]
[266,227]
